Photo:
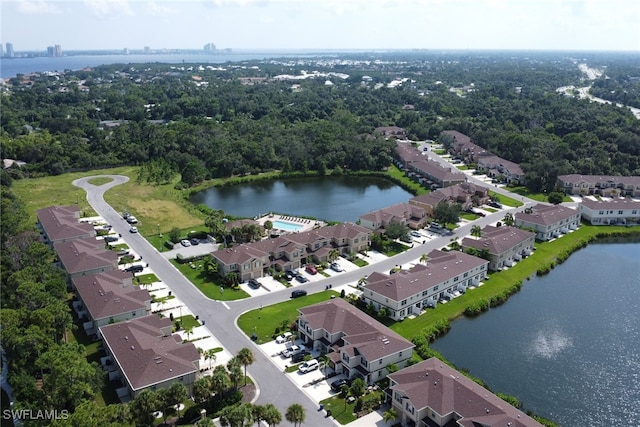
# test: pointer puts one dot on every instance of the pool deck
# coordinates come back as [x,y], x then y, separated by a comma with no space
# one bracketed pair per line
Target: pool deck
[304,223]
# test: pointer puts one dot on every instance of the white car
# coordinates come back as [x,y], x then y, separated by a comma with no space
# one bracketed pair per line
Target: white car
[290,351]
[308,366]
[185,243]
[284,338]
[133,230]
[336,267]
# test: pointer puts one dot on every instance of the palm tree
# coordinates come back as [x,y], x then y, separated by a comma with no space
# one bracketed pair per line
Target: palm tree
[220,380]
[424,258]
[232,279]
[476,231]
[235,371]
[272,415]
[176,394]
[295,414]
[324,361]
[508,219]
[188,330]
[390,415]
[211,356]
[245,357]
[455,245]
[258,412]
[202,389]
[333,255]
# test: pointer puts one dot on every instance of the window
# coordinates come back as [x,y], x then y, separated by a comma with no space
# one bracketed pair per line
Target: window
[455,279]
[619,212]
[601,213]
[435,288]
[465,274]
[633,212]
[404,302]
[424,293]
[345,357]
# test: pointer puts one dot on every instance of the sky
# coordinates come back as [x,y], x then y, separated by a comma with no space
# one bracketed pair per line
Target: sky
[610,25]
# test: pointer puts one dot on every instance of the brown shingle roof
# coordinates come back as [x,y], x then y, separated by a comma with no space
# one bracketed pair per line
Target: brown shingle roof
[110,294]
[617,203]
[546,214]
[145,355]
[61,223]
[498,239]
[440,267]
[372,339]
[85,255]
[432,384]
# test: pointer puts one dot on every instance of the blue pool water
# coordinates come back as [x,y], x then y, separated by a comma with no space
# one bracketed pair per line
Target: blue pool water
[286,226]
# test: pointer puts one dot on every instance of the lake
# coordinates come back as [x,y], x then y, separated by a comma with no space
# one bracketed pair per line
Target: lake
[568,344]
[331,198]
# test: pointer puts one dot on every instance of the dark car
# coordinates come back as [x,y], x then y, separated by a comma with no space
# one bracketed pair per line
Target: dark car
[337,384]
[194,241]
[110,238]
[300,278]
[299,357]
[134,268]
[298,293]
[290,274]
[253,284]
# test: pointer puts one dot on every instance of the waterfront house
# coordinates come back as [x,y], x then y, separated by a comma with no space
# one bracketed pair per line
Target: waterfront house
[108,298]
[403,213]
[432,394]
[407,293]
[604,185]
[548,221]
[356,344]
[143,353]
[466,194]
[610,212]
[505,245]
[61,223]
[429,173]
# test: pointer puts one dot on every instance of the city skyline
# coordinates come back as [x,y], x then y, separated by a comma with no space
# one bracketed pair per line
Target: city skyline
[612,25]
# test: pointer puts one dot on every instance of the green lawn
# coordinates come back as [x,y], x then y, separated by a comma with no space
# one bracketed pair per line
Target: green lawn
[540,197]
[469,216]
[100,181]
[506,201]
[397,175]
[187,321]
[492,210]
[208,284]
[463,167]
[360,262]
[340,410]
[146,279]
[440,151]
[264,321]
[158,240]
[395,248]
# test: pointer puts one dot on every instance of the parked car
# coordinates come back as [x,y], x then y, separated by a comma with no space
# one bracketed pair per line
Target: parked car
[299,357]
[416,234]
[133,230]
[300,278]
[194,241]
[135,268]
[185,243]
[290,274]
[290,351]
[132,219]
[281,339]
[308,366]
[336,267]
[311,269]
[298,293]
[253,284]
[337,384]
[111,238]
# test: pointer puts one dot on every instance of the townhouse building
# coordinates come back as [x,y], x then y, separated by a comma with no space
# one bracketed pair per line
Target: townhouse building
[253,260]
[109,297]
[61,223]
[466,194]
[604,185]
[403,213]
[409,292]
[432,394]
[429,173]
[548,221]
[86,256]
[356,344]
[505,244]
[609,212]
[143,353]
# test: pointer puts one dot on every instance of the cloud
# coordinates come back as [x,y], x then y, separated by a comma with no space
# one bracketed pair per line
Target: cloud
[104,8]
[158,9]
[32,7]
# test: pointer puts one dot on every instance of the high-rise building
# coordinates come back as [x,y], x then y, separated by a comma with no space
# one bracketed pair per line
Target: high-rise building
[10,52]
[209,47]
[54,51]
[125,51]
[1,50]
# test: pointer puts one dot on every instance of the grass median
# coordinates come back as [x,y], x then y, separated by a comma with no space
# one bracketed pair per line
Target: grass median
[210,286]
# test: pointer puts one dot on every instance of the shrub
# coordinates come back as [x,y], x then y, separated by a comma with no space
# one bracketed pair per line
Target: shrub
[476,308]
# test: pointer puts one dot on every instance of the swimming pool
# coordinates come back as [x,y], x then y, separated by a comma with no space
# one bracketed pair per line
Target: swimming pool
[286,226]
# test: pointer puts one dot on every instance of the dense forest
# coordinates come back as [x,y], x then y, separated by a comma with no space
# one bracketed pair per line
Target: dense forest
[249,117]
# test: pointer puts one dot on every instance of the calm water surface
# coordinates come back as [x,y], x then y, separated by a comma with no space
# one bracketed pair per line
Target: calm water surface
[341,199]
[568,344]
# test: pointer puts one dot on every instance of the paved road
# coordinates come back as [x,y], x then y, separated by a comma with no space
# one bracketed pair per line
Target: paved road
[275,388]
[221,317]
